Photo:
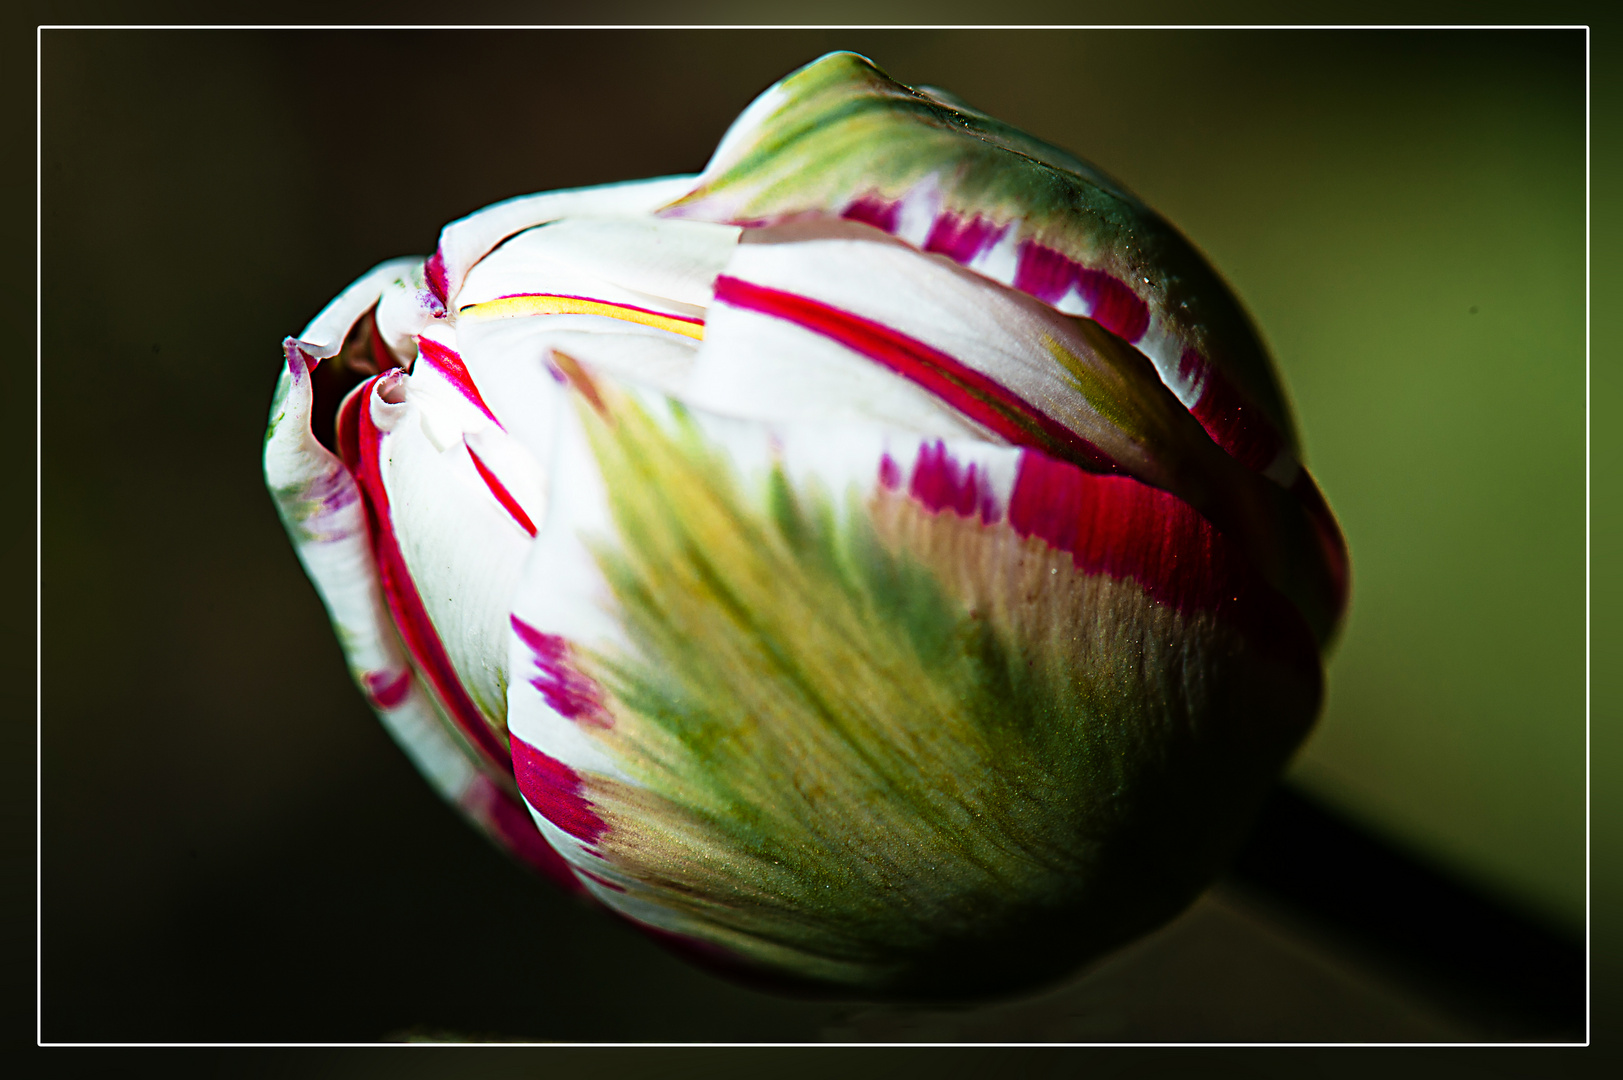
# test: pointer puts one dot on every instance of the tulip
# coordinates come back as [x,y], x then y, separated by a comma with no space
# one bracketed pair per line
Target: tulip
[881,563]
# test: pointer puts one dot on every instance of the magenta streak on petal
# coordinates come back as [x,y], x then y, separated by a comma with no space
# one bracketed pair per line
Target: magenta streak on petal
[1120,528]
[332,490]
[336,488]
[1115,306]
[554,789]
[503,496]
[890,474]
[1043,272]
[873,210]
[388,689]
[572,695]
[452,367]
[299,362]
[962,240]
[434,273]
[1236,426]
[972,393]
[1048,275]
[405,605]
[511,825]
[941,483]
[1191,366]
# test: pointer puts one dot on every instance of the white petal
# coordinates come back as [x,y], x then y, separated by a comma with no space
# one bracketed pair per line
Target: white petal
[461,547]
[1036,360]
[753,365]
[509,358]
[638,259]
[562,590]
[405,310]
[321,505]
[325,334]
[465,241]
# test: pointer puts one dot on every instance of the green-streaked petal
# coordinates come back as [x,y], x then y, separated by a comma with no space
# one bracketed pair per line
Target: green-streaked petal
[882,712]
[840,138]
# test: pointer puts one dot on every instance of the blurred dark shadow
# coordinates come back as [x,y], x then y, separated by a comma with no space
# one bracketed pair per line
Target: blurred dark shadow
[1506,971]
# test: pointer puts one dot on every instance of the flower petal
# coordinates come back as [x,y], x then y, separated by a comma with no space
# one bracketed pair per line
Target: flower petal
[1025,373]
[840,138]
[467,240]
[771,682]
[462,524]
[324,512]
[669,264]
[325,334]
[509,358]
[917,338]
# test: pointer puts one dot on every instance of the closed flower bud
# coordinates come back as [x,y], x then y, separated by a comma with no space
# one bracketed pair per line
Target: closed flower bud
[880,563]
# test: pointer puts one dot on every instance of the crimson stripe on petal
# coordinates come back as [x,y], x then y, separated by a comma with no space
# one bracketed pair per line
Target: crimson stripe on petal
[571,694]
[451,365]
[554,789]
[1118,527]
[873,210]
[963,388]
[434,274]
[503,496]
[961,240]
[1048,274]
[1241,429]
[940,482]
[405,604]
[388,689]
[890,474]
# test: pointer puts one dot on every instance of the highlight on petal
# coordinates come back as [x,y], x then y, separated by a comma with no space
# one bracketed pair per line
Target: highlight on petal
[886,711]
[325,334]
[467,240]
[840,139]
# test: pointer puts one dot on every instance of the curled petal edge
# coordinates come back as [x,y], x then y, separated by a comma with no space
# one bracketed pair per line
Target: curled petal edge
[321,506]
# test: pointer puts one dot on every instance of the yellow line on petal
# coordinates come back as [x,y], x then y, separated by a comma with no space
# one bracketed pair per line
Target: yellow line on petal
[513,307]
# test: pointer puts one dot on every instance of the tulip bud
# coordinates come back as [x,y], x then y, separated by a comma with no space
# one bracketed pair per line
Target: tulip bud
[881,562]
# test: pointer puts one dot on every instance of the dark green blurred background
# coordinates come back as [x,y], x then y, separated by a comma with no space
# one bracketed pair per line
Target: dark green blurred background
[232,849]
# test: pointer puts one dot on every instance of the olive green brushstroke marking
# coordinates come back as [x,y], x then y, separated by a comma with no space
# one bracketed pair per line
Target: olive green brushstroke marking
[844,763]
